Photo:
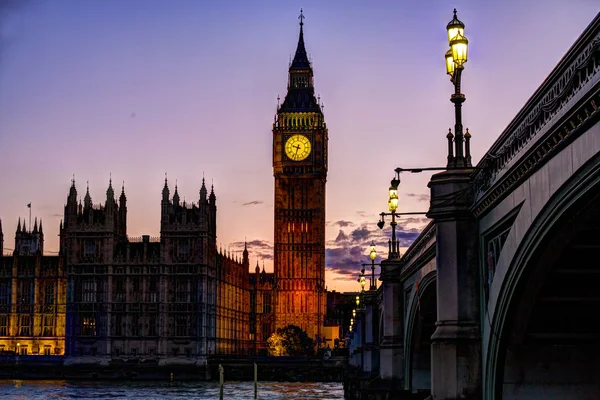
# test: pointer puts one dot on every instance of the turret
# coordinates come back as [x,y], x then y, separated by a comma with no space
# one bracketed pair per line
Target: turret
[91,232]
[110,193]
[203,192]
[165,203]
[165,191]
[71,207]
[186,225]
[87,200]
[212,199]
[123,211]
[176,196]
[245,259]
[110,207]
[39,237]
[28,243]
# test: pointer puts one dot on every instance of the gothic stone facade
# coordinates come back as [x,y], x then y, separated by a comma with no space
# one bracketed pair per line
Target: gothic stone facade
[172,299]
[168,300]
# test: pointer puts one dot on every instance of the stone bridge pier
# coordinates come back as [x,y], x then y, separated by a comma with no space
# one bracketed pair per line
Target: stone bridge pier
[456,342]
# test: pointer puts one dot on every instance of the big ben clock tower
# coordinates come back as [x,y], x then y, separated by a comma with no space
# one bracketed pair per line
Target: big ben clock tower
[300,170]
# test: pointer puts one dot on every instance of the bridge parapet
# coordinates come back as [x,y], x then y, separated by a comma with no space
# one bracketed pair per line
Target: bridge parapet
[419,253]
[415,257]
[564,104]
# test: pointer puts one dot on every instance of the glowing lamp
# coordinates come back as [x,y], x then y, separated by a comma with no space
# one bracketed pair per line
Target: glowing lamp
[455,27]
[354,313]
[449,63]
[372,252]
[459,45]
[362,282]
[357,300]
[393,200]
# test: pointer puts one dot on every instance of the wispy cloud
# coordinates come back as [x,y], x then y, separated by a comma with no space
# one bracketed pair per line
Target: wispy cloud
[253,203]
[348,251]
[418,197]
[343,224]
[341,236]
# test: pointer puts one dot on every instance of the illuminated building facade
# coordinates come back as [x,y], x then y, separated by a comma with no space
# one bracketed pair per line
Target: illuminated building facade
[233,304]
[32,296]
[262,316]
[300,168]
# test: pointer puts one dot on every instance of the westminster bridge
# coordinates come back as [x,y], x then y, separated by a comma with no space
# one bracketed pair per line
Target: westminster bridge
[499,296]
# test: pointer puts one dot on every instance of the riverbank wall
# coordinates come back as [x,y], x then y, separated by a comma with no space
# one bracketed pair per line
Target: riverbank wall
[288,369]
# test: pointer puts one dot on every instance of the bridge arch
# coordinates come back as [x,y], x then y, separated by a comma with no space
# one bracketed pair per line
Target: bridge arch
[543,340]
[421,316]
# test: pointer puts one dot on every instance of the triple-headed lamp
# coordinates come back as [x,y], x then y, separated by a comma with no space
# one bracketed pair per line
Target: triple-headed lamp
[459,45]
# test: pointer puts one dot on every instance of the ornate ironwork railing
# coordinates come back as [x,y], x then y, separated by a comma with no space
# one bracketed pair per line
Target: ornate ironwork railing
[566,100]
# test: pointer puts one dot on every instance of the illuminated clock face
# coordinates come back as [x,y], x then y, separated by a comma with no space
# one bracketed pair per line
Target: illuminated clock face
[297,147]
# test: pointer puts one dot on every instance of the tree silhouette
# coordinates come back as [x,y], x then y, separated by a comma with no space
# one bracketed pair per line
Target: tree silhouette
[290,341]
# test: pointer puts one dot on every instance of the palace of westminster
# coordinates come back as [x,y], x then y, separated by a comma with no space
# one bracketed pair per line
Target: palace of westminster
[176,297]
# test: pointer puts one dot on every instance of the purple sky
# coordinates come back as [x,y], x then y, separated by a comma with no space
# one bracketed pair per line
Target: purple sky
[139,88]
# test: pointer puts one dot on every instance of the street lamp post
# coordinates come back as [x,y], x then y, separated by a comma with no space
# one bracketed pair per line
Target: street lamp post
[394,244]
[456,342]
[394,248]
[372,255]
[456,57]
[372,264]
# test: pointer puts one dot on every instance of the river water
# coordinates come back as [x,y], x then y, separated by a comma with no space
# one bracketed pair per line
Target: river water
[34,390]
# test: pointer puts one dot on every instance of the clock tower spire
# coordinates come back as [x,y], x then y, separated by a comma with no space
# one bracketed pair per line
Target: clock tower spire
[300,169]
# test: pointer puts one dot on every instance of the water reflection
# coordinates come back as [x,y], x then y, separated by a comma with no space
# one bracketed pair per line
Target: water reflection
[37,390]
